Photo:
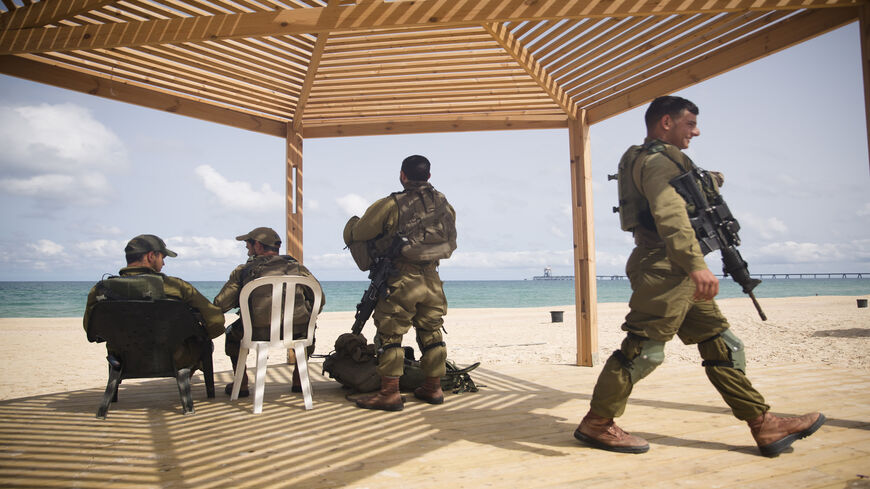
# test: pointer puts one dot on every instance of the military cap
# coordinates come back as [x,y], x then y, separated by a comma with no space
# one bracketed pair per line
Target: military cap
[145,243]
[264,235]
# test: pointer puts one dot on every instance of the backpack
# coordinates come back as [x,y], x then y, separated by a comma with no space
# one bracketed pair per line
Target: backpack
[148,286]
[354,365]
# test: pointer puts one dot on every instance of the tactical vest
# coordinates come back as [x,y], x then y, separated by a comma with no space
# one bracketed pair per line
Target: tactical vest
[427,224]
[261,299]
[633,207]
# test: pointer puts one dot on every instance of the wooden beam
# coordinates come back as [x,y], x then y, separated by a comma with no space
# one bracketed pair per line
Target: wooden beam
[47,12]
[110,88]
[800,27]
[294,193]
[311,74]
[527,61]
[585,286]
[421,125]
[370,14]
[864,18]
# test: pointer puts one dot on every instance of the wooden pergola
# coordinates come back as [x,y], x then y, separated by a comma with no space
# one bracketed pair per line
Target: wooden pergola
[320,68]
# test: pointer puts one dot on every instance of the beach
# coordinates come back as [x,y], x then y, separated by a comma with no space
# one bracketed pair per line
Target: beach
[46,356]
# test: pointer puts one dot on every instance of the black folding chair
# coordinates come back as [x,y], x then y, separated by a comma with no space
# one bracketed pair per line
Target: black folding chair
[142,336]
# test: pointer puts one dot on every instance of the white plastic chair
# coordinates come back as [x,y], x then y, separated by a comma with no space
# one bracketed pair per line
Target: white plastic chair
[279,284]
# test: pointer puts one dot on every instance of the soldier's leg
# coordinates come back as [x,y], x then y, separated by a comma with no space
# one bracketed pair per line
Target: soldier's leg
[232,343]
[636,358]
[724,359]
[660,298]
[428,322]
[393,320]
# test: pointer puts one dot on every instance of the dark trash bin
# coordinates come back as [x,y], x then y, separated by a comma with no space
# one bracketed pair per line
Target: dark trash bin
[862,302]
[556,316]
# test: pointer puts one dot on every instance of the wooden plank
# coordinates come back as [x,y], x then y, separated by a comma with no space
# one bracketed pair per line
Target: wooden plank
[433,124]
[108,87]
[864,19]
[585,286]
[47,12]
[794,30]
[534,69]
[642,45]
[294,192]
[305,92]
[674,52]
[367,15]
[213,93]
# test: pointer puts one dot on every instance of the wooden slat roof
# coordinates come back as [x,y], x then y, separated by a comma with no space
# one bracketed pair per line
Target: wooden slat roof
[343,67]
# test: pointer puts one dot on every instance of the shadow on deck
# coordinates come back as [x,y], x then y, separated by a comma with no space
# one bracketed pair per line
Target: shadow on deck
[514,432]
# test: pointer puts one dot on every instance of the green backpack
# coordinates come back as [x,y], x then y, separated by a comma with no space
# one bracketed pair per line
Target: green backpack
[354,364]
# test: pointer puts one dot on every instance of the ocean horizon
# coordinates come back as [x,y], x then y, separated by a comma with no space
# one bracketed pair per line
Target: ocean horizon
[67,298]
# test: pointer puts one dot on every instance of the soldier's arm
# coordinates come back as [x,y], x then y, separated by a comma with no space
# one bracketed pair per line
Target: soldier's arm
[378,220]
[228,297]
[669,213]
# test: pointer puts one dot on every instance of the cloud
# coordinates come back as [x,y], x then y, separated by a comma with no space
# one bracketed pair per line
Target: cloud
[768,228]
[239,195]
[206,248]
[815,253]
[353,204]
[57,153]
[46,247]
[864,210]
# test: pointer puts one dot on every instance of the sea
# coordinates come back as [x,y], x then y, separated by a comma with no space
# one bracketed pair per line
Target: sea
[67,299]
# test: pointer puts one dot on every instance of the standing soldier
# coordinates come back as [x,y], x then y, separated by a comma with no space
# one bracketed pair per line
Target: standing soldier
[422,217]
[672,294]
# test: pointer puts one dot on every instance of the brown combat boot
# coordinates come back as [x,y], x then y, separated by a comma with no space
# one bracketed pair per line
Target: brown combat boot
[387,399]
[430,391]
[774,434]
[604,434]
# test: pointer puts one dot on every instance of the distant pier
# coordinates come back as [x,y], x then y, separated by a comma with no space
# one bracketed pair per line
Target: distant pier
[549,276]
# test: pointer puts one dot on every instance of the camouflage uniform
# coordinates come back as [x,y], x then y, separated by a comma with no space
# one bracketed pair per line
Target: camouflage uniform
[416,293]
[175,288]
[661,303]
[261,299]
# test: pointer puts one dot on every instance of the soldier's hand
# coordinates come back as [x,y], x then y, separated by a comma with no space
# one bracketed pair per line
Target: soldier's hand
[706,284]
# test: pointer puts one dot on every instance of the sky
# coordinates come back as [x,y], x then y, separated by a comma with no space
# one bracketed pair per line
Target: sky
[81,175]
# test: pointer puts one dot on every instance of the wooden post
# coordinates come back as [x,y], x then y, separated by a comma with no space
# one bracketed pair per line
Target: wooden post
[864,27]
[294,193]
[585,287]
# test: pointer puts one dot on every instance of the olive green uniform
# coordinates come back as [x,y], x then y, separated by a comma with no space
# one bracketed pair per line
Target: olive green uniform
[416,295]
[661,303]
[175,288]
[261,299]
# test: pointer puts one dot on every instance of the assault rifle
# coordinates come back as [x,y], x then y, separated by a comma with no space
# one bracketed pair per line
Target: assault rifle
[380,271]
[716,229]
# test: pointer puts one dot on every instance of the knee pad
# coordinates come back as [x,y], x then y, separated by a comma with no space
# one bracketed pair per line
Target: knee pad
[433,351]
[723,350]
[640,356]
[391,355]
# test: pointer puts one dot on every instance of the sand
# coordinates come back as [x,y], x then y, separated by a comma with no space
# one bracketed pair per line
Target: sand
[44,356]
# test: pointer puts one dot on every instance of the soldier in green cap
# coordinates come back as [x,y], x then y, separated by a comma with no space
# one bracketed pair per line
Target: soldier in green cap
[422,217]
[672,294]
[145,254]
[263,246]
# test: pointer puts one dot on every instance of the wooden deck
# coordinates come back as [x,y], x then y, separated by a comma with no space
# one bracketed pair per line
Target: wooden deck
[514,432]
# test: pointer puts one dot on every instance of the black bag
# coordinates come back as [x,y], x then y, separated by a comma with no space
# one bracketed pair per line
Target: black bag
[354,365]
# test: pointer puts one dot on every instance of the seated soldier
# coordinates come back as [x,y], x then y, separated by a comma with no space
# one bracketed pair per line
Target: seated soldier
[263,246]
[145,254]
